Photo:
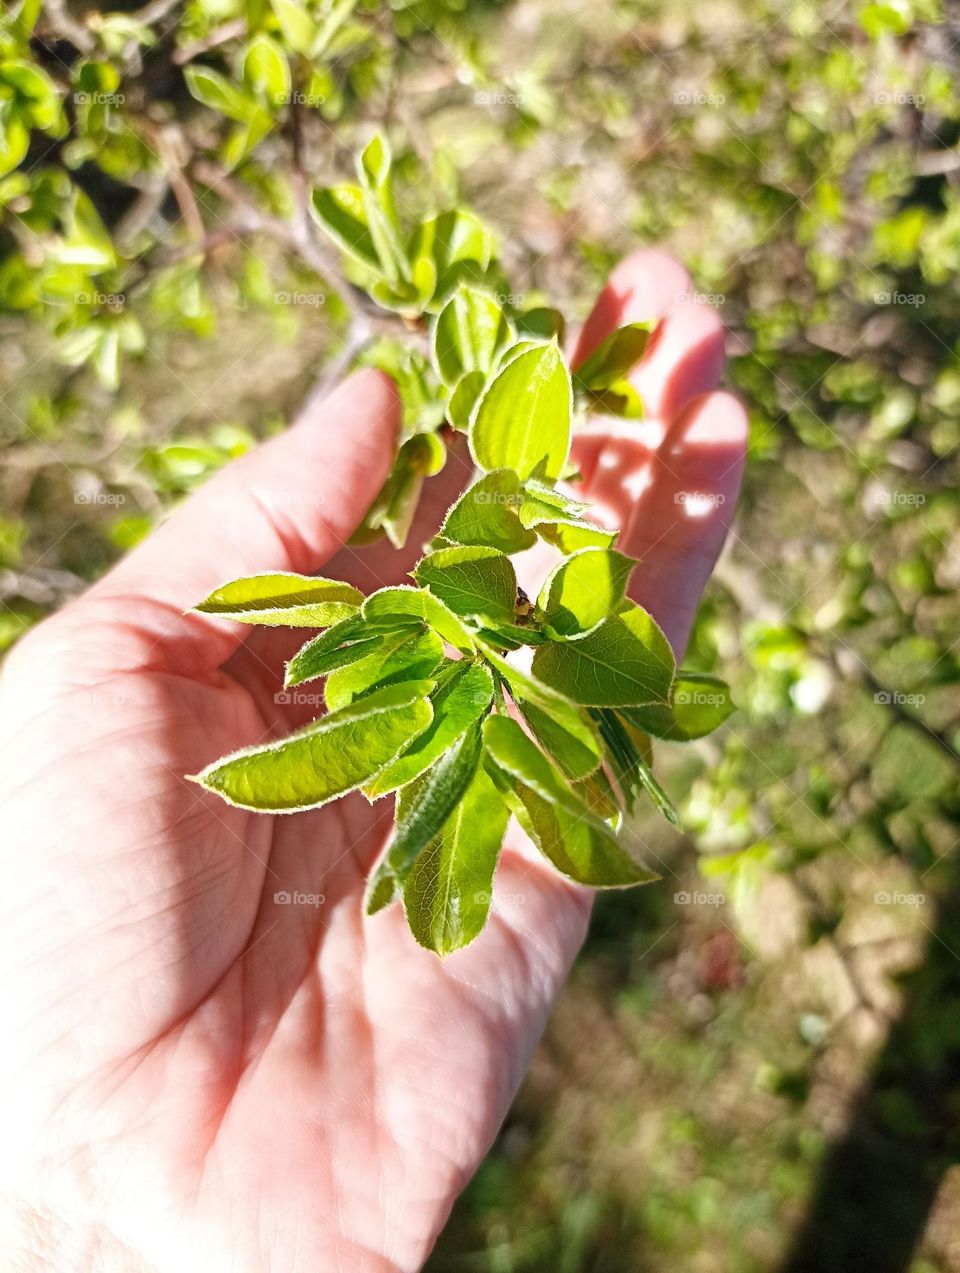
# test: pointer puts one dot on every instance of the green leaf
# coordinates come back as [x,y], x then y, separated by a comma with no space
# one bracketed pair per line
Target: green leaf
[381,889]
[373,169]
[467,334]
[522,421]
[560,824]
[471,581]
[375,160]
[560,520]
[333,755]
[662,802]
[583,591]
[327,652]
[332,23]
[450,248]
[603,376]
[448,892]
[341,211]
[626,661]
[457,704]
[220,94]
[283,600]
[266,69]
[406,604]
[700,705]
[463,399]
[299,29]
[399,656]
[439,792]
[511,636]
[559,725]
[542,323]
[486,514]
[624,749]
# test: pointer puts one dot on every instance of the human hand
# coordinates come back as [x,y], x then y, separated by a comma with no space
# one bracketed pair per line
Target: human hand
[195,1075]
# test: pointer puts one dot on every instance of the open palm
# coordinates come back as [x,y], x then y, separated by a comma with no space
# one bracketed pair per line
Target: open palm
[198,1075]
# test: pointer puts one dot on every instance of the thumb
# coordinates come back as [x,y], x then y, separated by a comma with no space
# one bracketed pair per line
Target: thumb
[288,505]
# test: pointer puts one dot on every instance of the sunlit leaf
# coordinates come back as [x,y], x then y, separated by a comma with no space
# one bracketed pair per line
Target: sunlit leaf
[333,755]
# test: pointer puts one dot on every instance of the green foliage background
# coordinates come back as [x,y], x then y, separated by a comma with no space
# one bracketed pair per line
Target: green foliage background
[166,302]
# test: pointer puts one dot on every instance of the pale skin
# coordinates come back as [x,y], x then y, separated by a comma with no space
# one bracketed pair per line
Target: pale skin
[195,1077]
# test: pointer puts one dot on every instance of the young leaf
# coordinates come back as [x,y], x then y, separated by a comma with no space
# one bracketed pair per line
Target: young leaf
[582,591]
[283,600]
[299,29]
[330,757]
[448,892]
[457,705]
[382,888]
[624,750]
[399,656]
[220,94]
[603,376]
[574,757]
[319,658]
[662,802]
[393,511]
[453,246]
[373,169]
[626,661]
[439,792]
[559,725]
[542,323]
[471,581]
[486,514]
[353,633]
[700,705]
[598,795]
[266,70]
[341,211]
[560,824]
[522,421]
[511,636]
[560,521]
[467,334]
[411,605]
[464,398]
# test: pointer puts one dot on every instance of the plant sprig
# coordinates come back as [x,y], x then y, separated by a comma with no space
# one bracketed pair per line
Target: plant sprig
[422,699]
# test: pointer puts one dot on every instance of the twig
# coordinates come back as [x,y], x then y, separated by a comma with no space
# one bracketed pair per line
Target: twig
[231,30]
[64,24]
